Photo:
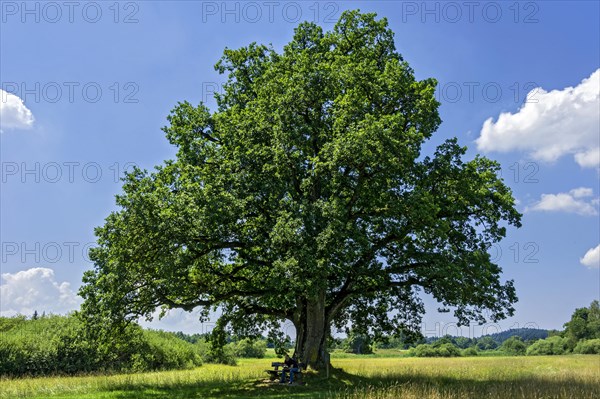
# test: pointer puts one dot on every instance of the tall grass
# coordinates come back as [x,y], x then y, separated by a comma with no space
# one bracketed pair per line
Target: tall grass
[209,374]
[573,376]
[576,377]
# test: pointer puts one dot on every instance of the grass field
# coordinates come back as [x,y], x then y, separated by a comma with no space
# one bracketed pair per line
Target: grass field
[372,377]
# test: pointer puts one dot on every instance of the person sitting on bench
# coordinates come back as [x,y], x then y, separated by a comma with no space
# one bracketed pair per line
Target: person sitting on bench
[291,365]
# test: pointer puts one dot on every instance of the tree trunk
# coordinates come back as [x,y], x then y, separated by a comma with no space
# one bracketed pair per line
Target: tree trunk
[311,333]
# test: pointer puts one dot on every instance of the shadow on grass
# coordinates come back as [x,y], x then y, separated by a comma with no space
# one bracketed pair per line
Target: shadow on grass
[344,383]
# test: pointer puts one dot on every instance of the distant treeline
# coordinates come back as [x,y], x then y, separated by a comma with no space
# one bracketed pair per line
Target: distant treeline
[361,344]
[580,336]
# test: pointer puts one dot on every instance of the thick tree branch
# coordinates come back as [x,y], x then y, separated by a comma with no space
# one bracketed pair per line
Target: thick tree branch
[346,289]
[252,308]
[207,136]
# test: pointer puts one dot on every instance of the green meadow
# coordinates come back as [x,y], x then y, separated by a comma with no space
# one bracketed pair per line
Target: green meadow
[386,374]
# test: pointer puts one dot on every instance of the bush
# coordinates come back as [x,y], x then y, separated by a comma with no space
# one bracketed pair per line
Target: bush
[48,345]
[165,351]
[514,346]
[588,347]
[448,350]
[223,355]
[443,350]
[472,351]
[249,348]
[358,343]
[8,323]
[554,345]
[423,350]
[486,343]
[60,345]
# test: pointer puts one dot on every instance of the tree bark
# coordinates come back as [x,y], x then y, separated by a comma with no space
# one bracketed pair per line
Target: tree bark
[311,333]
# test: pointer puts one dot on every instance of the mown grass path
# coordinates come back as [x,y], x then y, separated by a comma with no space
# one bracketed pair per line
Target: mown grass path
[371,377]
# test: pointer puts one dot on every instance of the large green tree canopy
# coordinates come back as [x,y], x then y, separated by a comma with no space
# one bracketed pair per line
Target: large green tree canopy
[305,197]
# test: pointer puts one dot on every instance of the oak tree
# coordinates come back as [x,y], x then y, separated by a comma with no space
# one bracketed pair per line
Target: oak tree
[305,198]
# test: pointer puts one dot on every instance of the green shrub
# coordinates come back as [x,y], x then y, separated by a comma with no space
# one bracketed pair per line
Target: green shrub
[166,351]
[448,350]
[514,346]
[554,345]
[423,350]
[588,347]
[471,351]
[47,345]
[443,350]
[8,323]
[249,348]
[60,345]
[358,343]
[224,355]
[486,343]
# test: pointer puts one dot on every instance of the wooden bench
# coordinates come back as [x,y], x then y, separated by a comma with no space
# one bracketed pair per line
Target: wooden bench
[275,373]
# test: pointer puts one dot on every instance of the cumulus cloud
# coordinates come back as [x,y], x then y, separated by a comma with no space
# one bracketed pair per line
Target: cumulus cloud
[551,125]
[35,289]
[582,192]
[13,112]
[591,258]
[575,201]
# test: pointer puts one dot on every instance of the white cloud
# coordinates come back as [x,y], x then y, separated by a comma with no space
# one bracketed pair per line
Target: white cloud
[35,289]
[589,158]
[551,125]
[571,202]
[591,258]
[582,192]
[13,112]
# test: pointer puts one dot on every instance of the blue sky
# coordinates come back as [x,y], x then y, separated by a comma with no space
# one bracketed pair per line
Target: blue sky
[88,85]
